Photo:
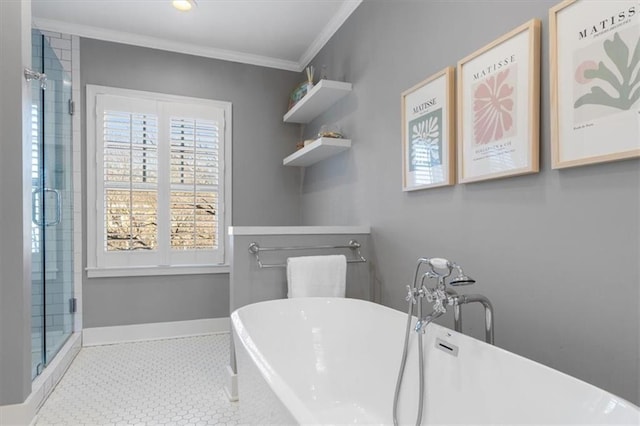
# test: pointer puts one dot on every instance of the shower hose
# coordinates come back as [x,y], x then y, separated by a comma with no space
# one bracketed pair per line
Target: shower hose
[404,362]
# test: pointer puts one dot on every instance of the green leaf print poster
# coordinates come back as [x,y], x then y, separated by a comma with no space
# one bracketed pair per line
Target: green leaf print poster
[595,81]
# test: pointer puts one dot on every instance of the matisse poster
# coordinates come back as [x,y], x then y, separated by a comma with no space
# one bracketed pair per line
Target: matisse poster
[498,98]
[595,81]
[427,133]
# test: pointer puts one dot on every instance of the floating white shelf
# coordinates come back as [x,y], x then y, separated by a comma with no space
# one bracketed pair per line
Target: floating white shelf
[317,150]
[324,94]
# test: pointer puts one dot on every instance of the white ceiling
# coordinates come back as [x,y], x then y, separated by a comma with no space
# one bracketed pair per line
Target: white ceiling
[283,34]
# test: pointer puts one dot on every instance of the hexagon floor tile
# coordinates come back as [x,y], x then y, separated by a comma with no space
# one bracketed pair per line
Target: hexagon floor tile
[161,382]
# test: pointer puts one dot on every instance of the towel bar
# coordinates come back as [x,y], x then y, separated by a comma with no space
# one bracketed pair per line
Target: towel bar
[255,249]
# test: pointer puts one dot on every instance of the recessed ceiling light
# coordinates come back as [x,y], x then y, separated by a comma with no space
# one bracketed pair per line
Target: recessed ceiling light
[183,5]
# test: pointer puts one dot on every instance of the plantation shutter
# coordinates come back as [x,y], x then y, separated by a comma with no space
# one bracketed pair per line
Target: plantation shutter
[159,182]
[194,183]
[196,145]
[127,167]
[130,180]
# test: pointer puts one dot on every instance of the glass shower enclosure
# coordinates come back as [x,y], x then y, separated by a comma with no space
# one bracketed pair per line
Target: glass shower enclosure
[52,302]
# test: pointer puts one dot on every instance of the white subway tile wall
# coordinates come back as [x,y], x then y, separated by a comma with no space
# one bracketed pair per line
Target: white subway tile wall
[60,43]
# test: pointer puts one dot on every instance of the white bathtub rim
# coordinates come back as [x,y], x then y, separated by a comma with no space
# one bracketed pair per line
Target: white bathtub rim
[304,415]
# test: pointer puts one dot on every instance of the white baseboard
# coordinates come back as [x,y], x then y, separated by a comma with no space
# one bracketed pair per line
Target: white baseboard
[153,331]
[20,414]
[41,387]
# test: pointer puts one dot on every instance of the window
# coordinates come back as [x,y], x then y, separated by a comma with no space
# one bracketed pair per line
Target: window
[159,167]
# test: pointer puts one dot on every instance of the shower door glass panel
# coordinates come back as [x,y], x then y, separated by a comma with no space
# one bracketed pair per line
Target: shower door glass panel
[37,227]
[52,218]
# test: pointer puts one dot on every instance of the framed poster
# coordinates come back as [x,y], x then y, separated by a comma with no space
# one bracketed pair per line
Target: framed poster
[595,81]
[428,159]
[498,107]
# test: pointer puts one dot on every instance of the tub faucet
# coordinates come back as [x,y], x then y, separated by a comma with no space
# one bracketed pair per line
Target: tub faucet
[421,324]
[441,297]
[440,301]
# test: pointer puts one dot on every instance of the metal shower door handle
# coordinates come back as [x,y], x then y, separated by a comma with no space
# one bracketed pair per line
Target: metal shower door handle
[58,198]
[34,210]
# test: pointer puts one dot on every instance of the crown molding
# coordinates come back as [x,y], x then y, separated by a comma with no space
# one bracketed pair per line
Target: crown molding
[157,43]
[347,8]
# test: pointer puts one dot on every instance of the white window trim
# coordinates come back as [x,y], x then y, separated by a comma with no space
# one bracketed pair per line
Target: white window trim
[142,271]
[93,271]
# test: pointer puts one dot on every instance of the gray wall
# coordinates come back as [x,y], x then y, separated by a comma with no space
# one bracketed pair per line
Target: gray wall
[556,252]
[264,192]
[15,203]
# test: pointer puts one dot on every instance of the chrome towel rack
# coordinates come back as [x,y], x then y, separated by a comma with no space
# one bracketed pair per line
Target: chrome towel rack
[353,245]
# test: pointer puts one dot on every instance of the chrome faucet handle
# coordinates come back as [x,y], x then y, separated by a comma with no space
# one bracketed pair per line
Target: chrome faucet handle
[438,297]
[411,295]
[433,294]
[428,294]
[438,306]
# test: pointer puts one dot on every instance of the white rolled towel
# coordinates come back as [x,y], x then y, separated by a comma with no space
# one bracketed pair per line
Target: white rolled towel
[317,276]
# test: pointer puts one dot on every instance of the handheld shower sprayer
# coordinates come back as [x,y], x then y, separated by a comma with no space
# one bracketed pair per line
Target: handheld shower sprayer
[440,269]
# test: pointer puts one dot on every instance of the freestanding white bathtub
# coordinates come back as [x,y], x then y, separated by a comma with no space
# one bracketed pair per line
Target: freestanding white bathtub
[335,361]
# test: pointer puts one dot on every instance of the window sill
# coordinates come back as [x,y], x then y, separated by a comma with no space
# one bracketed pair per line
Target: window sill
[142,271]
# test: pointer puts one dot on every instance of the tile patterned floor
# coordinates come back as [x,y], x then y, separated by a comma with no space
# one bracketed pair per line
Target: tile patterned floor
[162,382]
